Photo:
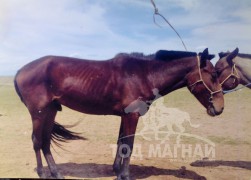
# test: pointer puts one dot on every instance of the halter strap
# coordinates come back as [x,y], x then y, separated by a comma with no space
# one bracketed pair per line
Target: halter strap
[236,75]
[202,81]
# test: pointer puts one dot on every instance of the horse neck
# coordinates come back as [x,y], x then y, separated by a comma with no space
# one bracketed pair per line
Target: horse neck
[169,76]
[244,69]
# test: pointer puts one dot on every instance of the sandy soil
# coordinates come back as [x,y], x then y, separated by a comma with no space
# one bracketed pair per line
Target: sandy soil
[229,158]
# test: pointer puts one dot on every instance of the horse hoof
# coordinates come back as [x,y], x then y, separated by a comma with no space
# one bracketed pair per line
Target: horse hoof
[123,177]
[116,169]
[58,176]
[41,174]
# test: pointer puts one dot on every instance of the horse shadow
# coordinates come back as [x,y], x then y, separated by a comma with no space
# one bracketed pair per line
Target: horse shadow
[93,170]
[216,163]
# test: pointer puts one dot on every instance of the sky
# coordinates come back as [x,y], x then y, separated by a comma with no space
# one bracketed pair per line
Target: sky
[100,29]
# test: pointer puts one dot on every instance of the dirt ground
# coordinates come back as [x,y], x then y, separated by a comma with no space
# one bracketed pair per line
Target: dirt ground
[218,149]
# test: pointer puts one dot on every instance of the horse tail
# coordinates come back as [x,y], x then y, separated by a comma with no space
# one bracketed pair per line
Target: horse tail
[61,134]
[17,88]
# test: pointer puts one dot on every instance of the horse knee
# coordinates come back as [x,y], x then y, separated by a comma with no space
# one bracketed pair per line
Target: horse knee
[46,149]
[37,143]
[116,167]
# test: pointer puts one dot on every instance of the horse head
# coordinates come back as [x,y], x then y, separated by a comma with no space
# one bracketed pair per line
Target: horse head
[203,83]
[226,70]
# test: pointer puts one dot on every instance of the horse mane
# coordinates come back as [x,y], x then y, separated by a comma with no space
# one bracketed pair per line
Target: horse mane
[137,55]
[242,55]
[162,55]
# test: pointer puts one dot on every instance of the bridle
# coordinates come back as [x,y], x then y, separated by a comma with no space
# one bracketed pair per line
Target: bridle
[192,86]
[234,73]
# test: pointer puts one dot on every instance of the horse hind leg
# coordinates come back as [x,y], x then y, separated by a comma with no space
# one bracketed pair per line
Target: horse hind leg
[37,145]
[118,159]
[43,122]
[47,131]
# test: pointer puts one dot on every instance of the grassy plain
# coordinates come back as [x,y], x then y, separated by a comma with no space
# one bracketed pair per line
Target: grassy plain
[93,158]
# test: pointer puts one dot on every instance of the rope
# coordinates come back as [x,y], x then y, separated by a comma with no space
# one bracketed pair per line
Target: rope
[236,89]
[156,12]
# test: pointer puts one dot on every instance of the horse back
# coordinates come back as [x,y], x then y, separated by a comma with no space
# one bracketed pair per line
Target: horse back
[71,82]
[94,87]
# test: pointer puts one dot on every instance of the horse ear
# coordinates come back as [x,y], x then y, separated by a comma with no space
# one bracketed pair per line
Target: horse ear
[221,54]
[231,56]
[211,56]
[204,58]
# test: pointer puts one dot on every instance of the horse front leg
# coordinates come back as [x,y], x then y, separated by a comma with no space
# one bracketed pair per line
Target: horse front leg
[118,159]
[130,122]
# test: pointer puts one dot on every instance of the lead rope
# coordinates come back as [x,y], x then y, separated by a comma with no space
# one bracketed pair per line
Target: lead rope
[236,89]
[156,12]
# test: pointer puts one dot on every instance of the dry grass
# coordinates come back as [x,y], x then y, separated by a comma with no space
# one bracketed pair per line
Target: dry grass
[93,158]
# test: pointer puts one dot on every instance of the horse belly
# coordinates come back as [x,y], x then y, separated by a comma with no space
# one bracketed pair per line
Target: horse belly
[88,105]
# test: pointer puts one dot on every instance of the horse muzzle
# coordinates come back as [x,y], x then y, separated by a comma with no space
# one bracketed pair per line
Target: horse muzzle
[211,110]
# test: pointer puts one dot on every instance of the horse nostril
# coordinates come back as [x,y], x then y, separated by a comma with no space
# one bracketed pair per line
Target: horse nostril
[216,111]
[219,112]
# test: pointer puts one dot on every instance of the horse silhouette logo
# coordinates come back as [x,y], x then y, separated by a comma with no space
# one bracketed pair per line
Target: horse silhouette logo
[162,122]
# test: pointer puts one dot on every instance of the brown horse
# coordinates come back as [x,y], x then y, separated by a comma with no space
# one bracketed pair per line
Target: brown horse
[107,88]
[233,69]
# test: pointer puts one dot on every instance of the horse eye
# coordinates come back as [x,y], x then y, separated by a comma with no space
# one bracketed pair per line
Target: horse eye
[214,75]
[218,73]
